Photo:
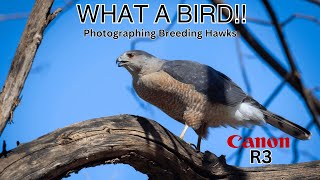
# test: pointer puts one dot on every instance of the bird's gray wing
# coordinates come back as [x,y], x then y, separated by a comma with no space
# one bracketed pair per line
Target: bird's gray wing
[215,85]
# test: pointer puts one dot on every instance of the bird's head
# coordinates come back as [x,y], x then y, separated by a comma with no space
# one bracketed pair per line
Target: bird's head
[137,61]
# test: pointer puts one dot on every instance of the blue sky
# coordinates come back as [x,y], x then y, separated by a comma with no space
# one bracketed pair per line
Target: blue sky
[75,78]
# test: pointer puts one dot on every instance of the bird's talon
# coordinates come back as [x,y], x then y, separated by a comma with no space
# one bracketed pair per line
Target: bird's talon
[193,145]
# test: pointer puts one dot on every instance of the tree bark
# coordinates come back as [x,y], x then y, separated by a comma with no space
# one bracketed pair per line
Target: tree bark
[39,19]
[139,142]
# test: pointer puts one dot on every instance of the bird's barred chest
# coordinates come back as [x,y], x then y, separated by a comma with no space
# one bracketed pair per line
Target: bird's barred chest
[180,101]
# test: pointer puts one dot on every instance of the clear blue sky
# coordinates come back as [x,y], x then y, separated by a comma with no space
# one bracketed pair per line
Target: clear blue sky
[75,78]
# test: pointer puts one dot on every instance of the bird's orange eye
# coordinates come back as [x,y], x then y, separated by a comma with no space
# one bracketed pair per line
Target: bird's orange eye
[130,55]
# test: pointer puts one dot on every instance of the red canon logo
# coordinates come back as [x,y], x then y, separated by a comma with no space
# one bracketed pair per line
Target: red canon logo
[234,141]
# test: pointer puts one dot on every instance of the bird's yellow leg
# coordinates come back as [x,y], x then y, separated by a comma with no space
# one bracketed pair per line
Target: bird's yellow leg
[184,131]
[200,134]
[199,143]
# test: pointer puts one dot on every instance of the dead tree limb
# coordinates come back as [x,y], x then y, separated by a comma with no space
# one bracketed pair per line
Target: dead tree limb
[139,142]
[31,38]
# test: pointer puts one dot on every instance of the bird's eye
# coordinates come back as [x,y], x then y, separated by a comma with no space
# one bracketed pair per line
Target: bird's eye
[130,55]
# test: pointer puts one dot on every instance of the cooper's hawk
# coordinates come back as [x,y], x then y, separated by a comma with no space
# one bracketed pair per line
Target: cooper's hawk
[198,95]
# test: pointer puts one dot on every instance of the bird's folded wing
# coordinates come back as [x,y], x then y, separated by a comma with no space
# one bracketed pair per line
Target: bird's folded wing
[217,87]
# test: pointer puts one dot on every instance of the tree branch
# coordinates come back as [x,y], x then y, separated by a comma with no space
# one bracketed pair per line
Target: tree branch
[315,2]
[283,42]
[300,16]
[144,144]
[23,59]
[242,67]
[5,17]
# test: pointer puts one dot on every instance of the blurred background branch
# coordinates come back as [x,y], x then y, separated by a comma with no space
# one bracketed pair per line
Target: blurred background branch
[22,15]
[315,2]
[6,17]
[293,77]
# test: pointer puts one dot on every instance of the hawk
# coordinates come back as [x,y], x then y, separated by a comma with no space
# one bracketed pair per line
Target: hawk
[198,95]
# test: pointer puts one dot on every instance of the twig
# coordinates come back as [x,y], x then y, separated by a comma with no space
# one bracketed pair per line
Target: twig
[240,150]
[5,17]
[142,104]
[299,16]
[283,42]
[248,87]
[242,67]
[134,43]
[258,21]
[315,89]
[22,15]
[274,93]
[315,2]
[268,132]
[285,22]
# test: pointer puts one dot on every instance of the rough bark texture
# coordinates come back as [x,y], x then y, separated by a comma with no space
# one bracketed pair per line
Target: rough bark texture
[22,61]
[144,144]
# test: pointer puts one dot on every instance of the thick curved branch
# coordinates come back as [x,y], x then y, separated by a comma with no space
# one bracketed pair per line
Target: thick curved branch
[22,61]
[144,144]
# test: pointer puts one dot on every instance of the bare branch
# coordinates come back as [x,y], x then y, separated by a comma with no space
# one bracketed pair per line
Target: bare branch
[274,93]
[22,15]
[300,16]
[141,143]
[242,66]
[315,2]
[68,4]
[258,21]
[134,43]
[285,22]
[315,89]
[240,150]
[22,61]
[5,17]
[279,31]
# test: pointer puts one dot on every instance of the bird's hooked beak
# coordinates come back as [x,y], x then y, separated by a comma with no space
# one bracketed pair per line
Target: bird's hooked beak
[121,62]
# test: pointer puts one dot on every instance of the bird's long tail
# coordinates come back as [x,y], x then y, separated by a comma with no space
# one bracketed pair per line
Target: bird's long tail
[286,126]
